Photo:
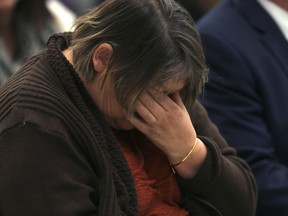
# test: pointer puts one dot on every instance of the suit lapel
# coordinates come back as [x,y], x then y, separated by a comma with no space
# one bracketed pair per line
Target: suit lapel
[269,33]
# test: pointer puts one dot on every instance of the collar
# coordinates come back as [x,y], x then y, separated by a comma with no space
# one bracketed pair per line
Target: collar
[278,14]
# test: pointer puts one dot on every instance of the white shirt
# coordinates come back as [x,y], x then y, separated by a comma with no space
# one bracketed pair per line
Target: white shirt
[278,14]
[62,15]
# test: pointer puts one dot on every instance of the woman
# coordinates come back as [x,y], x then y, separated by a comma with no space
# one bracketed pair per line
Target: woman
[96,125]
[25,26]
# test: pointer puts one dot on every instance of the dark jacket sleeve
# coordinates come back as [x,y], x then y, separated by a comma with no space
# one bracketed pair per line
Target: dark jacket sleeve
[42,174]
[224,181]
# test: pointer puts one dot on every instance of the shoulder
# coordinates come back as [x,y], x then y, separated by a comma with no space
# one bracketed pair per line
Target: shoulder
[226,23]
[34,94]
[217,17]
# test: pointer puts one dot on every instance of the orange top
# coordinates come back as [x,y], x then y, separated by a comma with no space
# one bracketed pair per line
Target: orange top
[156,186]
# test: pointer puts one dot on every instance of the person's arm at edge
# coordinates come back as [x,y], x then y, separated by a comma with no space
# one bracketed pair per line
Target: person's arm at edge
[224,180]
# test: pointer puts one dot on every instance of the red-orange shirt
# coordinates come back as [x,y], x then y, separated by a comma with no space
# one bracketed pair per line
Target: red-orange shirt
[156,186]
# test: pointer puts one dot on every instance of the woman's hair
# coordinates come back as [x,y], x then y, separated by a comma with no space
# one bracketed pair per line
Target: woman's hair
[153,41]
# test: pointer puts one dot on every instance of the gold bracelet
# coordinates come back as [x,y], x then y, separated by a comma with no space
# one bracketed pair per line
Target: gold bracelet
[189,153]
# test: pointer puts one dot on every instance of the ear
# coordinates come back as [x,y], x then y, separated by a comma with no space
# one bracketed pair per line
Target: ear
[101,57]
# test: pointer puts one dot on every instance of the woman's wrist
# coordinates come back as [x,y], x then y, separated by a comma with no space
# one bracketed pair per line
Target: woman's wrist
[187,155]
[191,165]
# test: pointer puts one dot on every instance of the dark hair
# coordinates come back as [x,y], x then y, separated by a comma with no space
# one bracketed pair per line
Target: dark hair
[153,40]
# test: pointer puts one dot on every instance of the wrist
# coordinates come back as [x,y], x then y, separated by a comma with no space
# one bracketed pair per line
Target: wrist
[190,167]
[187,155]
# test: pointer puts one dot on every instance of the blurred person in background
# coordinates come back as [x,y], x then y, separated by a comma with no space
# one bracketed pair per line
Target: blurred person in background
[25,26]
[246,45]
[81,7]
[197,8]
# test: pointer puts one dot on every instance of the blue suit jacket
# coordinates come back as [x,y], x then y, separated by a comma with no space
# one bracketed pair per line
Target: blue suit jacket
[247,94]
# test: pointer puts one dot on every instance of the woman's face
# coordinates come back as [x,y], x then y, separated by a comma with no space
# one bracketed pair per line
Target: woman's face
[103,92]
[110,107]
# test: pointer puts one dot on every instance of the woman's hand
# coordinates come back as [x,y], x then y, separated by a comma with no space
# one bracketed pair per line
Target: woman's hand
[166,122]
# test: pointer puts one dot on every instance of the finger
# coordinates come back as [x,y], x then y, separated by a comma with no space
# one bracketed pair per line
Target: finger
[162,99]
[151,104]
[176,97]
[137,122]
[145,113]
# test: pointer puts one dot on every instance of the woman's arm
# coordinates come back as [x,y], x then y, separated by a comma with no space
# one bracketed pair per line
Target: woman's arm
[213,172]
[224,180]
[42,174]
